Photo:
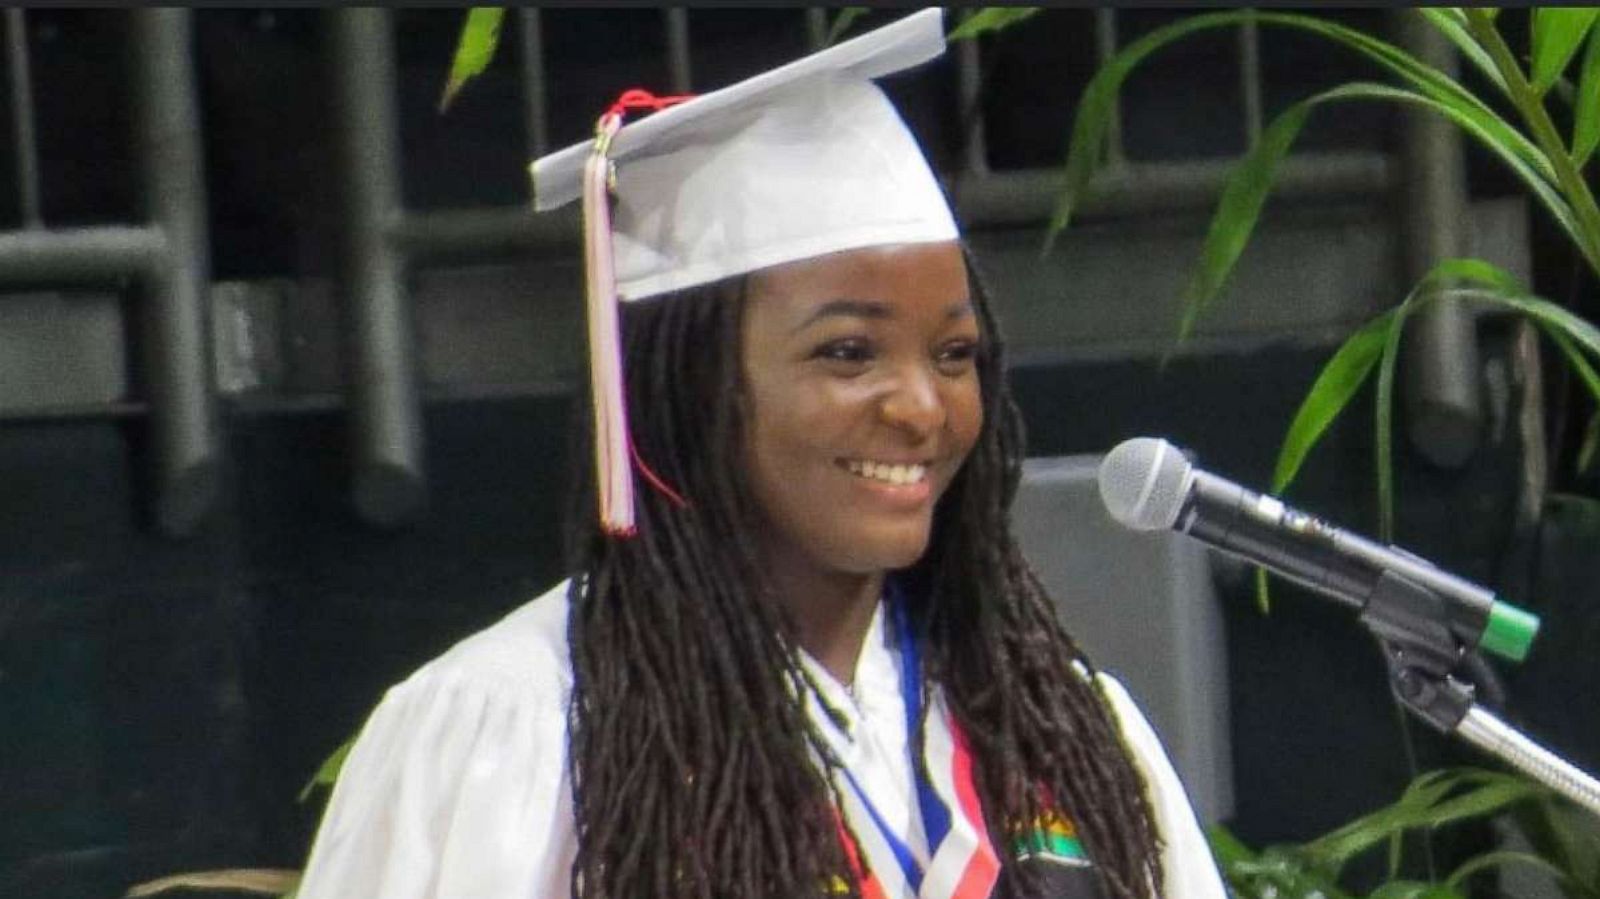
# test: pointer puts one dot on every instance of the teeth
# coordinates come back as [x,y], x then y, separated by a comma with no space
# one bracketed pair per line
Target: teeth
[882,471]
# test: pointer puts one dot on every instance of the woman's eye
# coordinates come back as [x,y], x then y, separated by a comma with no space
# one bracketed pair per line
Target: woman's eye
[957,356]
[851,350]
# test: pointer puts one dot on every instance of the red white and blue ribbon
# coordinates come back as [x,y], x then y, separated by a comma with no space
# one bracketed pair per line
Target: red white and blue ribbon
[961,863]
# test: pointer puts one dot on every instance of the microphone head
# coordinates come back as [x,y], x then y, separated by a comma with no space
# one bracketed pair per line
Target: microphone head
[1143,483]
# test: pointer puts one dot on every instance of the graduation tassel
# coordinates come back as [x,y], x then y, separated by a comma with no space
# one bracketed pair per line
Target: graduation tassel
[613,480]
[613,445]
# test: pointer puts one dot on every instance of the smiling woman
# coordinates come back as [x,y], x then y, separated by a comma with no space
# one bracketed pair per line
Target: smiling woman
[806,657]
[863,403]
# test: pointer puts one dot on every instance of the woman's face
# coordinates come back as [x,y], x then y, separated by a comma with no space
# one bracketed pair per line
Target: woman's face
[864,401]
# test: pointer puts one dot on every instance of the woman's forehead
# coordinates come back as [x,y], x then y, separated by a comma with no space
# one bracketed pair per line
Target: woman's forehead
[931,273]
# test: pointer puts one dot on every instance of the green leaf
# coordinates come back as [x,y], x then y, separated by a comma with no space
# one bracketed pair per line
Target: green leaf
[1337,383]
[1432,800]
[1263,595]
[1578,340]
[328,771]
[1432,284]
[475,49]
[1576,359]
[1238,212]
[1234,222]
[842,23]
[1561,324]
[1542,129]
[1483,800]
[1412,889]
[1547,313]
[1343,375]
[1236,216]
[1567,834]
[990,18]
[1562,337]
[1428,81]
[1480,271]
[1586,105]
[1226,847]
[1558,32]
[1097,105]
[1278,872]
[1591,443]
[1441,93]
[1450,21]
[1500,859]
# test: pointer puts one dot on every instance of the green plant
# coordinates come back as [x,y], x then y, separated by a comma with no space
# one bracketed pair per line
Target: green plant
[1434,800]
[480,36]
[1550,164]
[1530,145]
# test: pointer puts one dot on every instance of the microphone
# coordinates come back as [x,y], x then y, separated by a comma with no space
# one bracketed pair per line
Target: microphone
[1148,485]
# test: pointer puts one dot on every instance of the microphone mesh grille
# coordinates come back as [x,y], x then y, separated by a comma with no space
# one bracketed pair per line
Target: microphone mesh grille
[1143,483]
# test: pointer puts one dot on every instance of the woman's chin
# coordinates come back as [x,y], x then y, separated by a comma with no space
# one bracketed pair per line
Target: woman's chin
[885,550]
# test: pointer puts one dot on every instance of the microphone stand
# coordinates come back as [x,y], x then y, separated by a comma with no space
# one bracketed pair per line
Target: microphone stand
[1409,621]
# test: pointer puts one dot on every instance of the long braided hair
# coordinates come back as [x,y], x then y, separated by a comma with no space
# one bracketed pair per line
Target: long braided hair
[691,756]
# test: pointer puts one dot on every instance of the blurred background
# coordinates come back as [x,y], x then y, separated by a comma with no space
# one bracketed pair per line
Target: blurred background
[287,362]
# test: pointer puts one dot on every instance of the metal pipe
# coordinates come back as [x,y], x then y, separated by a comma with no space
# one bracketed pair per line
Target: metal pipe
[1493,735]
[1440,390]
[1250,80]
[1528,381]
[678,69]
[79,255]
[22,127]
[515,231]
[534,82]
[1105,47]
[816,27]
[176,341]
[1028,196]
[1012,197]
[969,78]
[389,485]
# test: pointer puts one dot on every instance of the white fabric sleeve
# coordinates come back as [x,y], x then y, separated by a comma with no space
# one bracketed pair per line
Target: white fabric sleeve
[455,788]
[1186,860]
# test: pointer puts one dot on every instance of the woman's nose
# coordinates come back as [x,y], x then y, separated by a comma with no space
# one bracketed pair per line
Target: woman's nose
[914,404]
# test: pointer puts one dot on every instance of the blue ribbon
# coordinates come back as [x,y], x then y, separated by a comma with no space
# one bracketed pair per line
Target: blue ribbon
[935,814]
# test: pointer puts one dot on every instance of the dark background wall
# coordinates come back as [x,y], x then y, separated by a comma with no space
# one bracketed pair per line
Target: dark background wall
[162,701]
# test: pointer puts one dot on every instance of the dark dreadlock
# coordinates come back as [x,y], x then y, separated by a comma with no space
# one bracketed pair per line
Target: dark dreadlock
[691,757]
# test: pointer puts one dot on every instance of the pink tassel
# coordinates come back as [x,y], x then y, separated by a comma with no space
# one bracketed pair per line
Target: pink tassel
[613,447]
[614,480]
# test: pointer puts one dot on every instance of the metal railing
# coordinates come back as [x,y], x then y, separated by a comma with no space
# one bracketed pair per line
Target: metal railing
[379,240]
[167,255]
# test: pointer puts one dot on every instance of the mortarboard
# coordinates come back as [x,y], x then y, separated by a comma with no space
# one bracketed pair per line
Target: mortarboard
[802,160]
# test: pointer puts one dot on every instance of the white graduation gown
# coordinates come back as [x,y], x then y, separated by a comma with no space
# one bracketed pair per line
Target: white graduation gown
[458,786]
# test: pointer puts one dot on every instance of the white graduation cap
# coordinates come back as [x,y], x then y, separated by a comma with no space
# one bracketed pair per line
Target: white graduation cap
[806,159]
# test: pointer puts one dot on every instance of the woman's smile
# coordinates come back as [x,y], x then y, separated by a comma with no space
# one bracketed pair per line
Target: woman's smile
[899,485]
[901,474]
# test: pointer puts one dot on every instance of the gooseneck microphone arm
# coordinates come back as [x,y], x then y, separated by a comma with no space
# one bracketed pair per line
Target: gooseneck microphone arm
[1423,655]
[1426,620]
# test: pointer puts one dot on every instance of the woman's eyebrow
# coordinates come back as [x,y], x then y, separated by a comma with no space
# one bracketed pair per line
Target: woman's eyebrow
[872,309]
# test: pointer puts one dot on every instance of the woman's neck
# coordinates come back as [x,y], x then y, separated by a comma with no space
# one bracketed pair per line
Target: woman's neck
[831,612]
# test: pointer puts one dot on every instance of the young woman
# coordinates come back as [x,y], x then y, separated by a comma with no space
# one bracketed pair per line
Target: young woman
[806,658]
